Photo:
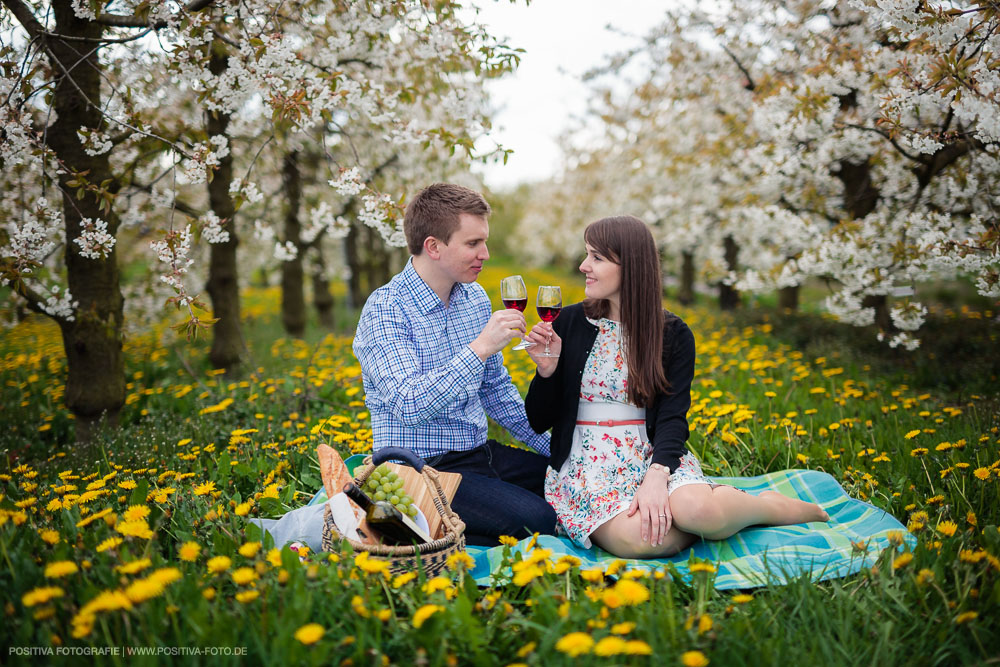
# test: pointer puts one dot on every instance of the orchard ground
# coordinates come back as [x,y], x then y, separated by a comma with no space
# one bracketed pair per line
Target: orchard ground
[141,540]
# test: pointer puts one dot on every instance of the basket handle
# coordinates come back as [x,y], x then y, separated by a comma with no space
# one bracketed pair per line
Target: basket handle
[400,454]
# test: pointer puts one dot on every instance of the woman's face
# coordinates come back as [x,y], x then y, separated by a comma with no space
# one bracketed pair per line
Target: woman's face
[604,277]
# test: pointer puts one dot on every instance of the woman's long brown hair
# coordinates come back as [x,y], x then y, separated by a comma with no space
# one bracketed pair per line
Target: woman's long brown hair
[627,241]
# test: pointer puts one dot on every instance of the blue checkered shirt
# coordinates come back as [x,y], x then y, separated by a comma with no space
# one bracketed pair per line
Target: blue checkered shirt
[425,388]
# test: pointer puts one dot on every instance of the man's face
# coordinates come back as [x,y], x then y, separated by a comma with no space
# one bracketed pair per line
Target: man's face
[463,256]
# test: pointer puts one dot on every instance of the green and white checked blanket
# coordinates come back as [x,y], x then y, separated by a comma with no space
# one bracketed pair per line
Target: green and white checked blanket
[853,538]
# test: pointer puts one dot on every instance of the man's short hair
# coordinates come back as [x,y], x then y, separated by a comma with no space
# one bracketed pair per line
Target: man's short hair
[435,210]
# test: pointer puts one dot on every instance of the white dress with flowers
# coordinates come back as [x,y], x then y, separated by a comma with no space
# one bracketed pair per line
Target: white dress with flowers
[606,465]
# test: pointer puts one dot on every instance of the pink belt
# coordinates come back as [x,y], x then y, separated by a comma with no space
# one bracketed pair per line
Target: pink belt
[613,422]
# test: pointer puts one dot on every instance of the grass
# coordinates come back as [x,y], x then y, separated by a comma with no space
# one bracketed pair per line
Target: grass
[143,542]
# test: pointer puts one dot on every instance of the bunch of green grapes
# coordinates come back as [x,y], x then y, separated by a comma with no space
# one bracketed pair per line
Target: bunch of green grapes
[384,484]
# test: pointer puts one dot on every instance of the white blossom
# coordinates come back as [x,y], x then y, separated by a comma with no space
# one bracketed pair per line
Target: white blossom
[94,240]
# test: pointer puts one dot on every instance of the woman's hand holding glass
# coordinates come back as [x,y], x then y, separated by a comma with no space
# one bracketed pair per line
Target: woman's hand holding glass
[542,337]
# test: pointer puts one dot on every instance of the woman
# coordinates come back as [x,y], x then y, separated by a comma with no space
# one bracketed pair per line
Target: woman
[616,399]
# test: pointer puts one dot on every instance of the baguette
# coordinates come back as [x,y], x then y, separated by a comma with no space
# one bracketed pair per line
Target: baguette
[334,473]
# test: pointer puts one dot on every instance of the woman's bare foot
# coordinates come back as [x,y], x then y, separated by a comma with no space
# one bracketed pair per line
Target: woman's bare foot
[793,510]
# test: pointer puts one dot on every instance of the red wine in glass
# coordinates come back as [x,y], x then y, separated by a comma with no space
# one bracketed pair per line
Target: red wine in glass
[516,304]
[548,313]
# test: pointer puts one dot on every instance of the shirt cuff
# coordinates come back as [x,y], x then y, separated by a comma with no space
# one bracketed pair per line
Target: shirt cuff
[469,364]
[540,443]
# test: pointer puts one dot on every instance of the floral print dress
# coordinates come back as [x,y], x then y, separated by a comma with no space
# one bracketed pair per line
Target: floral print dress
[606,465]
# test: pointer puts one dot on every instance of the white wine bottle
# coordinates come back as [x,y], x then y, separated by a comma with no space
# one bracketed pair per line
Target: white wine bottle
[390,523]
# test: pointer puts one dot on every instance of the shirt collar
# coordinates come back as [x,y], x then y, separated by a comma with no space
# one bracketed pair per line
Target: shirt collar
[426,299]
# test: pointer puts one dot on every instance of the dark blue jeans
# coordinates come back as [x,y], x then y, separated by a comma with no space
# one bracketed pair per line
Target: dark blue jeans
[502,492]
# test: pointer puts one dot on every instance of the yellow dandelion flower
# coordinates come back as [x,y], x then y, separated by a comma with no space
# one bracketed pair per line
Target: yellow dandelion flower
[982,474]
[127,484]
[108,544]
[461,559]
[403,579]
[526,575]
[436,584]
[741,598]
[695,568]
[208,593]
[204,489]
[310,633]
[421,615]
[60,568]
[138,529]
[49,536]
[919,451]
[593,575]
[965,617]
[143,589]
[694,659]
[82,523]
[947,528]
[243,509]
[134,566]
[250,549]
[274,557]
[165,575]
[575,643]
[136,513]
[41,595]
[631,592]
[902,560]
[507,540]
[610,646]
[243,576]
[371,565]
[637,647]
[623,628]
[189,551]
[219,564]
[526,650]
[247,596]
[925,576]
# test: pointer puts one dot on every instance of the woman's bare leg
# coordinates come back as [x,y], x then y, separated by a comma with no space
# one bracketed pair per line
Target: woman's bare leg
[620,536]
[716,513]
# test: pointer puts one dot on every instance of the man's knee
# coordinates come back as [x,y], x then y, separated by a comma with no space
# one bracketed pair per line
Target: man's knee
[532,517]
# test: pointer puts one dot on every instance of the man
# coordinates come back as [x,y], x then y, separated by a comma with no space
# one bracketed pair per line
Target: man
[429,346]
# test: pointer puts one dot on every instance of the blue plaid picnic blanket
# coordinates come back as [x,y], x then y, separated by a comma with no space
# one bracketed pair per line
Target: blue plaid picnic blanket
[852,539]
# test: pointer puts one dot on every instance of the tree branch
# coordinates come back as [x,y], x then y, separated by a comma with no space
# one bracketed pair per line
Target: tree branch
[139,21]
[749,85]
[25,17]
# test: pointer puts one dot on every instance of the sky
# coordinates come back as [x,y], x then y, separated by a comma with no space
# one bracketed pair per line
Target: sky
[562,40]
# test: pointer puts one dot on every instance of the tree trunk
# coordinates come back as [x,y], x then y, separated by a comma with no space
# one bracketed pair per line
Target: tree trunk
[685,292]
[788,297]
[223,282]
[322,297]
[880,303]
[354,293]
[95,382]
[729,297]
[293,301]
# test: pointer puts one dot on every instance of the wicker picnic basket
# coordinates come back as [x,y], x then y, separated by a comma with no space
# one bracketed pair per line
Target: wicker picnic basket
[430,556]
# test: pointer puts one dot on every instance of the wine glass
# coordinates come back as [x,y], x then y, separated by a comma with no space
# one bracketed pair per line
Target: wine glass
[514,295]
[548,304]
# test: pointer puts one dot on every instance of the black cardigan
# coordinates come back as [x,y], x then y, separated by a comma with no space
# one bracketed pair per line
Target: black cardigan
[553,402]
